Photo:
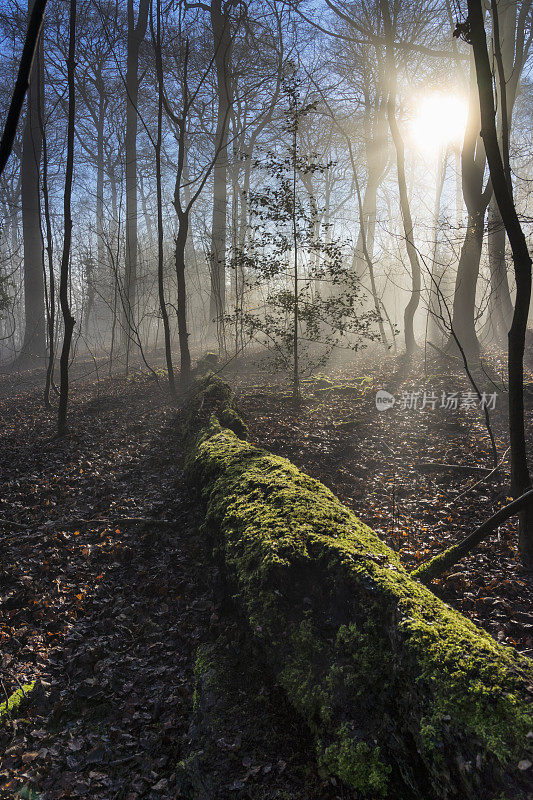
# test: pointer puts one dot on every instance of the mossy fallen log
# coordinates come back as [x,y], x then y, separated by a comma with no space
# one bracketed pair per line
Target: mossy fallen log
[405,697]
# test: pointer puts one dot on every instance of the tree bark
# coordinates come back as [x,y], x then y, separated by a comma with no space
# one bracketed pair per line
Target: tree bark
[220,25]
[68,319]
[434,329]
[34,343]
[136,33]
[97,273]
[522,266]
[476,198]
[408,227]
[369,656]
[500,303]
[464,301]
[51,312]
[160,253]
[504,38]
[32,42]
[183,211]
[183,334]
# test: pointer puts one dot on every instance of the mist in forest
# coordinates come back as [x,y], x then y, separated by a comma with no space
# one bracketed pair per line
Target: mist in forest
[237,164]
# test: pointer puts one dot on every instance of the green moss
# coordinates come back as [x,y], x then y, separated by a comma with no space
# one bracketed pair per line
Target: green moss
[436,566]
[338,389]
[319,380]
[211,396]
[213,388]
[357,764]
[204,672]
[326,386]
[358,645]
[230,419]
[203,661]
[14,701]
[298,679]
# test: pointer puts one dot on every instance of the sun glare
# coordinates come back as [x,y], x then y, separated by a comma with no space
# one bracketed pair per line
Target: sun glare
[439,120]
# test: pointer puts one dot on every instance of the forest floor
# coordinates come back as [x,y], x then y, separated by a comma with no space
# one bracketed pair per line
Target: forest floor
[107,585]
[107,616]
[387,466]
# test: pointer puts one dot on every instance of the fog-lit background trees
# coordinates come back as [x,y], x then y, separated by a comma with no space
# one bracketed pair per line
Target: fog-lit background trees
[390,112]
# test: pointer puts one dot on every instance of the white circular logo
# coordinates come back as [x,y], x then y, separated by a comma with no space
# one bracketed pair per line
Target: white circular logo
[384,400]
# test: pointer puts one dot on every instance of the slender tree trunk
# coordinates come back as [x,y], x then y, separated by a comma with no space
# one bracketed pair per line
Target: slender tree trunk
[136,33]
[190,250]
[504,39]
[476,198]
[458,191]
[68,319]
[408,227]
[296,392]
[522,265]
[51,276]
[34,344]
[97,272]
[235,193]
[183,214]
[464,302]
[369,211]
[375,123]
[367,230]
[405,208]
[160,271]
[434,331]
[100,170]
[500,304]
[160,252]
[220,24]
[242,239]
[183,334]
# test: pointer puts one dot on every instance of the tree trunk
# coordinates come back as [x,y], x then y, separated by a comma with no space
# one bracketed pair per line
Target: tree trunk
[476,198]
[434,327]
[408,228]
[34,344]
[32,42]
[367,224]
[51,311]
[136,34]
[183,334]
[504,23]
[522,265]
[160,233]
[404,697]
[464,301]
[220,24]
[500,304]
[97,273]
[68,319]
